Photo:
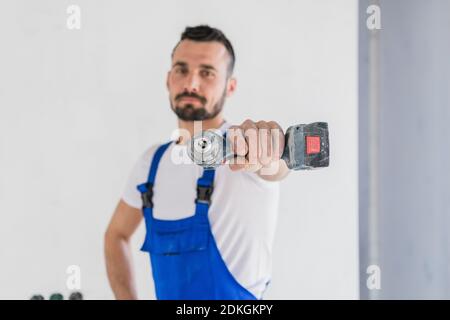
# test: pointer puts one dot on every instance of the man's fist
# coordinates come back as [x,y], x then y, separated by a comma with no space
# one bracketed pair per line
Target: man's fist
[256,145]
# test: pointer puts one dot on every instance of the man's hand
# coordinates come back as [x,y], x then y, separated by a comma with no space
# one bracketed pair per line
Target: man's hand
[258,147]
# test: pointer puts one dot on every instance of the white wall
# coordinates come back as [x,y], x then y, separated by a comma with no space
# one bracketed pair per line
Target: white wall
[77,108]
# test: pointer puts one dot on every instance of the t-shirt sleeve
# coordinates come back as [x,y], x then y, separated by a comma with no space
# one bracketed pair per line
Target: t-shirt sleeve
[138,175]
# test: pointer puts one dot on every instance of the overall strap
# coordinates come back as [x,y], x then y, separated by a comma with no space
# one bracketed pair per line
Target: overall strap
[146,189]
[205,187]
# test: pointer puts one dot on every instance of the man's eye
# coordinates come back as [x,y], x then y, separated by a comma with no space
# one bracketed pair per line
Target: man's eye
[206,73]
[181,71]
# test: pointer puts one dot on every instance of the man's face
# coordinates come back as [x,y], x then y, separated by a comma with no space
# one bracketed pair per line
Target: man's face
[198,81]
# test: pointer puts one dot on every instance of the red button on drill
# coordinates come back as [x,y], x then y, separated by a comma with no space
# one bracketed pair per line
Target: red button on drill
[312,144]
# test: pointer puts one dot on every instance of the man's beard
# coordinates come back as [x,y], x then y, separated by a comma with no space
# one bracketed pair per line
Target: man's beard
[190,113]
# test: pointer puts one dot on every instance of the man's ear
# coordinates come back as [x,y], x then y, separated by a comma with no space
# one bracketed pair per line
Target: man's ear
[167,80]
[231,86]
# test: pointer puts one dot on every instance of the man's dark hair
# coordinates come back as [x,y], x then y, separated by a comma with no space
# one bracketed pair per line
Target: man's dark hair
[205,33]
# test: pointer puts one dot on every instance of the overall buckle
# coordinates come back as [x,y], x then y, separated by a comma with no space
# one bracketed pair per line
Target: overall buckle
[147,196]
[204,194]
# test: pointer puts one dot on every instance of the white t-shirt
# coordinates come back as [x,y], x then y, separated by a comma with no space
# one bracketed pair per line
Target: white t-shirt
[243,211]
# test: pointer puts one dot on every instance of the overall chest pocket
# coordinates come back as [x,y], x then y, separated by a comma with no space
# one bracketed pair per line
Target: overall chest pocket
[176,237]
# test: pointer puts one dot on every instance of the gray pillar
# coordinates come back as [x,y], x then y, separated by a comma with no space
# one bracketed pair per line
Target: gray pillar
[413,190]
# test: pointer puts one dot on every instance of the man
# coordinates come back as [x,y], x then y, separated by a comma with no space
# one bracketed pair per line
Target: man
[209,232]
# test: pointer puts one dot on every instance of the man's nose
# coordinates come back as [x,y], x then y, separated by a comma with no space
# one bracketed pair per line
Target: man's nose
[192,84]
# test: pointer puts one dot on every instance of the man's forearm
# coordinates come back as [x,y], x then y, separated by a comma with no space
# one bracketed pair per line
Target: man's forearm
[119,267]
[276,171]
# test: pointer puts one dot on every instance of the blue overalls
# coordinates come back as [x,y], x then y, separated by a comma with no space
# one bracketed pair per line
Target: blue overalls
[186,262]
